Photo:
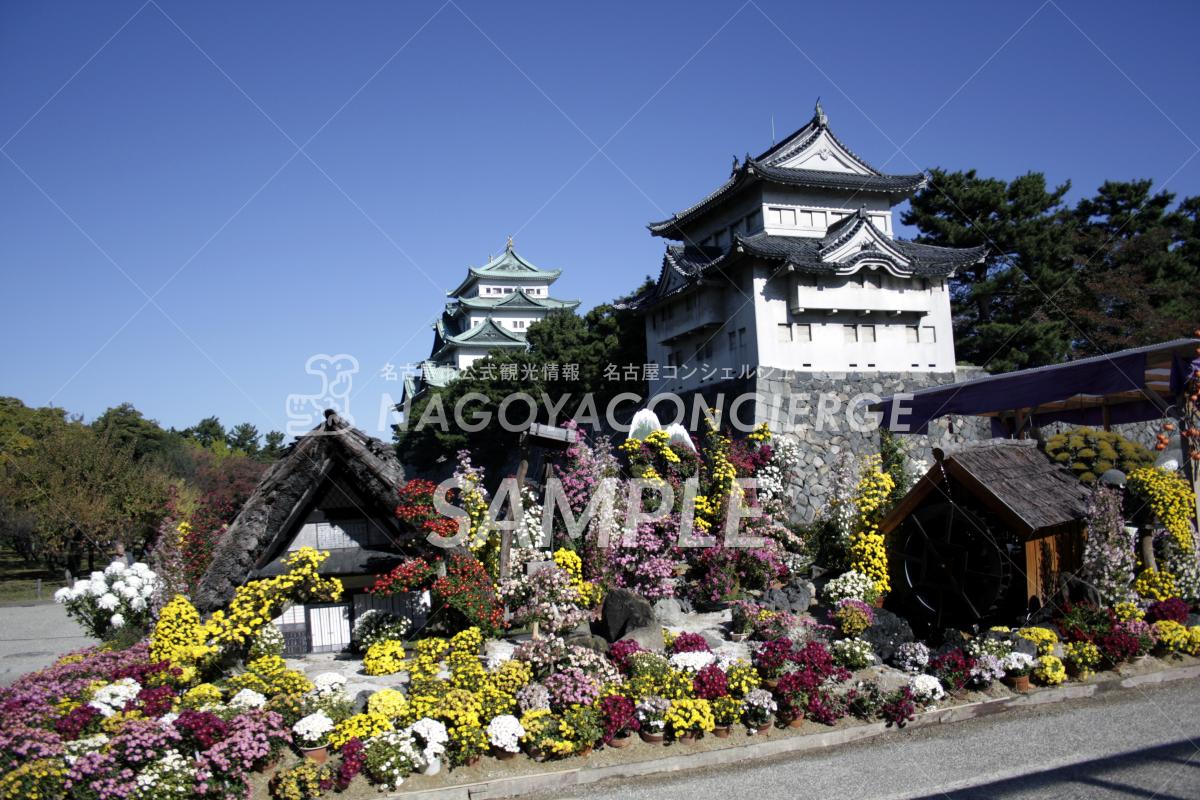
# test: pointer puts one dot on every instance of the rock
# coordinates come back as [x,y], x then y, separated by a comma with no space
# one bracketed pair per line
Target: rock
[650,637]
[1022,645]
[623,611]
[714,637]
[795,598]
[952,638]
[668,612]
[589,641]
[888,633]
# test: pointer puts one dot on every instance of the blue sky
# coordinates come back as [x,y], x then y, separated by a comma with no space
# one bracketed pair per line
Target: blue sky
[151,150]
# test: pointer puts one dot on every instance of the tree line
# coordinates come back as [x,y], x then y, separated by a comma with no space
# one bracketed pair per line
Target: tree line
[1118,269]
[72,493]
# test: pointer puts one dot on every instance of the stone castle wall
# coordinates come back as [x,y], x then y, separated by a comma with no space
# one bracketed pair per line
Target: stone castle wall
[826,413]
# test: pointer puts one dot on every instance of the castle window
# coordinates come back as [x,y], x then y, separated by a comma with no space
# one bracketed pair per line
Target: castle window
[867,333]
[732,341]
[783,333]
[912,335]
[850,334]
[929,334]
[802,332]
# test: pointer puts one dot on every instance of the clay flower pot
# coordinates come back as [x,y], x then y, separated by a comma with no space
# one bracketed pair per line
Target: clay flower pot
[472,761]
[738,637]
[770,683]
[721,731]
[584,752]
[652,738]
[687,737]
[318,755]
[762,730]
[878,602]
[796,722]
[620,741]
[1018,683]
[503,755]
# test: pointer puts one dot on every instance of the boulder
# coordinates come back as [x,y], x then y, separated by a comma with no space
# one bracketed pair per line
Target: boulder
[888,633]
[1022,645]
[589,641]
[623,611]
[650,637]
[795,598]
[668,612]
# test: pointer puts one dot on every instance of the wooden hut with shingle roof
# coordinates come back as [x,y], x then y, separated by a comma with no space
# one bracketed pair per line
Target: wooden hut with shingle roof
[985,533]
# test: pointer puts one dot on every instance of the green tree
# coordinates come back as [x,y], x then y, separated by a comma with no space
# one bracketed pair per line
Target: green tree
[207,432]
[1001,316]
[128,428]
[273,447]
[1139,260]
[243,437]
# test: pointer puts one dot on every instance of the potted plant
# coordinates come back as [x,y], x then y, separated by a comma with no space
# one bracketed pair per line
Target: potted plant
[689,719]
[772,659]
[726,711]
[619,715]
[743,615]
[760,708]
[311,733]
[586,727]
[1017,667]
[792,695]
[651,717]
[504,734]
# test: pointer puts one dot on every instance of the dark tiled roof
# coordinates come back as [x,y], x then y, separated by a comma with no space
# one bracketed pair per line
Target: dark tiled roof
[767,168]
[804,254]
[824,179]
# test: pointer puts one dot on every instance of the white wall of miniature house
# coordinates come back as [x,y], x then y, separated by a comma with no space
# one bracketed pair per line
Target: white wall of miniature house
[327,626]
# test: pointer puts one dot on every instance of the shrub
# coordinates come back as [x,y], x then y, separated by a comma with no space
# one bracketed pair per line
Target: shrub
[1090,453]
[119,597]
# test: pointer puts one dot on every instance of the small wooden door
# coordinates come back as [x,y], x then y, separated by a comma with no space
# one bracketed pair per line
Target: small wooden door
[329,627]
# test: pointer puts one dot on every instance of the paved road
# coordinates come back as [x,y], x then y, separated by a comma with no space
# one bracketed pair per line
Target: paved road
[1142,743]
[33,636]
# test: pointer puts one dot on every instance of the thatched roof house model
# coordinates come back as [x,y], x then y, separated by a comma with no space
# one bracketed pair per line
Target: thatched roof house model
[336,489]
[986,532]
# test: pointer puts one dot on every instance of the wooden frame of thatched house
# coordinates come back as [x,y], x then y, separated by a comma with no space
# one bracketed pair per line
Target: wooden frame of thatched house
[335,489]
[989,530]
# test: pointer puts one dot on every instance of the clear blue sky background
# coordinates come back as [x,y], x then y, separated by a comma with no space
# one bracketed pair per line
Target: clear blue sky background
[162,161]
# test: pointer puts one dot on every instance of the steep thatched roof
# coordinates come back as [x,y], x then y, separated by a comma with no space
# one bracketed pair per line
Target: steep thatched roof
[285,493]
[1012,478]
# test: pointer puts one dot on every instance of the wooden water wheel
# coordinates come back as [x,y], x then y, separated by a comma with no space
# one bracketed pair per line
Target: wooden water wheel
[954,566]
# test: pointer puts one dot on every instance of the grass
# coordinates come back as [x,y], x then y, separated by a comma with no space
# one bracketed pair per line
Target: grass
[19,580]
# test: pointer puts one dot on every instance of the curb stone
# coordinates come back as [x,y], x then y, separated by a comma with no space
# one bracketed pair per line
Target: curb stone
[579,776]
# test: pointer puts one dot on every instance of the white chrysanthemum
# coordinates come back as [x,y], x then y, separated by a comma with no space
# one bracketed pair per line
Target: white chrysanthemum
[117,620]
[137,604]
[97,576]
[125,590]
[115,568]
[692,662]
[329,683]
[64,594]
[108,601]
[505,732]
[926,688]
[248,698]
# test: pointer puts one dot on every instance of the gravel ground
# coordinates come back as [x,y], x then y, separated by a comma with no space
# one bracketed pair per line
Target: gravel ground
[1142,742]
[33,636]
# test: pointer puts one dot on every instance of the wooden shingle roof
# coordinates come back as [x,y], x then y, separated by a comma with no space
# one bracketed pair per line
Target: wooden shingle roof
[1012,478]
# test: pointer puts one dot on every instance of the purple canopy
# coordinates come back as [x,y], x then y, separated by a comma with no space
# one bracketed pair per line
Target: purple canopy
[1127,386]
